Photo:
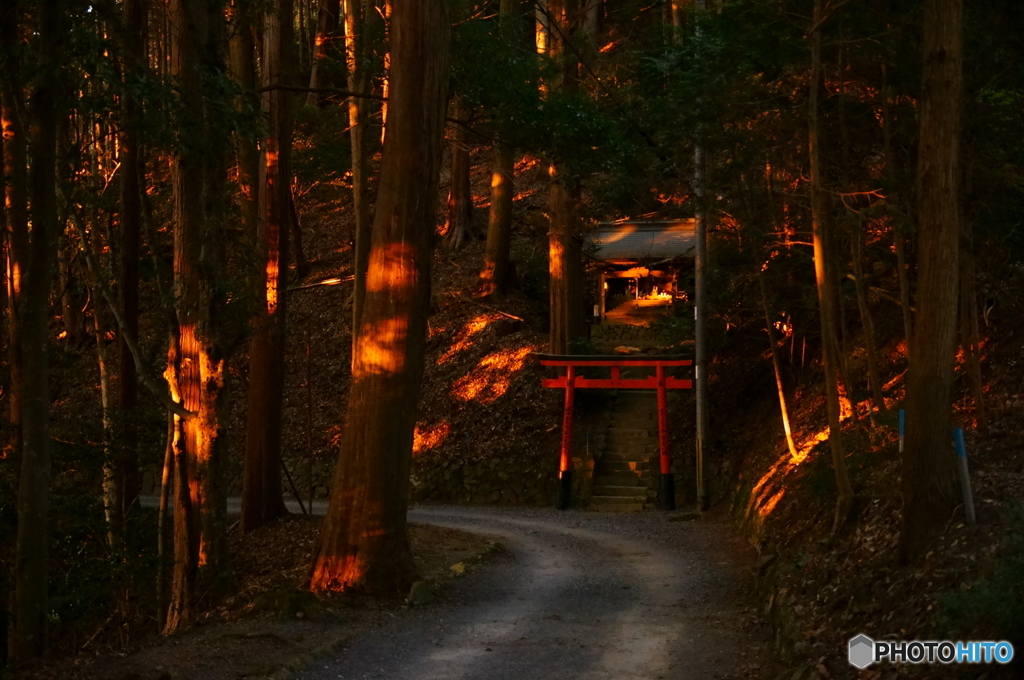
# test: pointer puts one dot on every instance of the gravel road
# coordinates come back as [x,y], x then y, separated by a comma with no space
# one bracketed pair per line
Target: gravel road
[575,595]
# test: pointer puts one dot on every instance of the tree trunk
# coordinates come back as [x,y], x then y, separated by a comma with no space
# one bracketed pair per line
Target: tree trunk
[458,223]
[776,365]
[866,320]
[825,297]
[499,226]
[195,366]
[30,607]
[929,479]
[242,64]
[565,320]
[261,488]
[358,15]
[136,15]
[364,542]
[326,32]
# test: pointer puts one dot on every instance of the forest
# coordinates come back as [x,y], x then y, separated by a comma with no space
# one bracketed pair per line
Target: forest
[269,259]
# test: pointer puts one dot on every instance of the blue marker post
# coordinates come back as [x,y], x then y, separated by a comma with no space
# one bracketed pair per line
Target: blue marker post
[903,422]
[965,480]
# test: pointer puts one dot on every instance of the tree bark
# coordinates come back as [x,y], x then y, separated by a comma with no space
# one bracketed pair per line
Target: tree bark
[261,488]
[326,33]
[822,276]
[30,607]
[242,65]
[866,320]
[929,479]
[776,365]
[566,319]
[136,15]
[499,226]
[364,542]
[196,366]
[458,223]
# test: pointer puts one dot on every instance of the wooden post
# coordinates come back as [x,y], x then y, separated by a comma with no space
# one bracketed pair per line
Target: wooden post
[668,487]
[565,463]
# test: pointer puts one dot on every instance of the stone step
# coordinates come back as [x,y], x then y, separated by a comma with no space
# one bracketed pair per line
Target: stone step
[620,492]
[628,432]
[615,444]
[625,478]
[630,452]
[599,505]
[605,467]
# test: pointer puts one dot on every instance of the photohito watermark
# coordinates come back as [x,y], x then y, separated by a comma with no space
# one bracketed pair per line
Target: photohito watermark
[864,651]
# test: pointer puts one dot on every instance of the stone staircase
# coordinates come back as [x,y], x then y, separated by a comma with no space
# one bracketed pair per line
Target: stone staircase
[625,472]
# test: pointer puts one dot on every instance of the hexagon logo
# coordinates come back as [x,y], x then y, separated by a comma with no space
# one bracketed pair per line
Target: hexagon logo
[862,651]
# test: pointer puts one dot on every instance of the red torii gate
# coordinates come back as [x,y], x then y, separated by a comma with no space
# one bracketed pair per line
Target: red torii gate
[660,382]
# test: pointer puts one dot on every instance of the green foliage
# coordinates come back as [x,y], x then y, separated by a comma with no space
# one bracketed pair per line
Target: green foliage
[532,271]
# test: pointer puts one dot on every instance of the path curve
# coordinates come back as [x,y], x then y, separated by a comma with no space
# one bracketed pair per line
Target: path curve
[576,595]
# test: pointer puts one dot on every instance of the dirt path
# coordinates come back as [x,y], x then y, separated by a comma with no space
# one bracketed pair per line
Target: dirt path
[575,595]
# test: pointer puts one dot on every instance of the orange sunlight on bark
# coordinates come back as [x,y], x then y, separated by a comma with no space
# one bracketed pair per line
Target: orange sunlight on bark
[272,287]
[429,437]
[379,348]
[463,339]
[336,572]
[490,379]
[392,267]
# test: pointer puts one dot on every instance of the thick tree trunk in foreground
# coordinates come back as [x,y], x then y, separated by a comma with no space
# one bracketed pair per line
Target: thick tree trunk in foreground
[459,221]
[364,542]
[261,485]
[195,368]
[30,606]
[929,479]
[825,297]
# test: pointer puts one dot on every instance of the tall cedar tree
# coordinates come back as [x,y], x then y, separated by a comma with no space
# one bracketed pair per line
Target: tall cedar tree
[261,482]
[195,368]
[30,607]
[928,465]
[364,541]
[823,276]
[564,266]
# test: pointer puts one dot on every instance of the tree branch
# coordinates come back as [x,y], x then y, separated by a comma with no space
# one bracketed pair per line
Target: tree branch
[160,392]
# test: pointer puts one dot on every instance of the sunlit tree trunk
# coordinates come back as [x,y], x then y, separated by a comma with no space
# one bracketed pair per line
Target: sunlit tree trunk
[459,220]
[242,64]
[358,15]
[825,296]
[499,225]
[928,465]
[261,487]
[866,320]
[364,542]
[30,607]
[563,247]
[196,367]
[776,365]
[326,30]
